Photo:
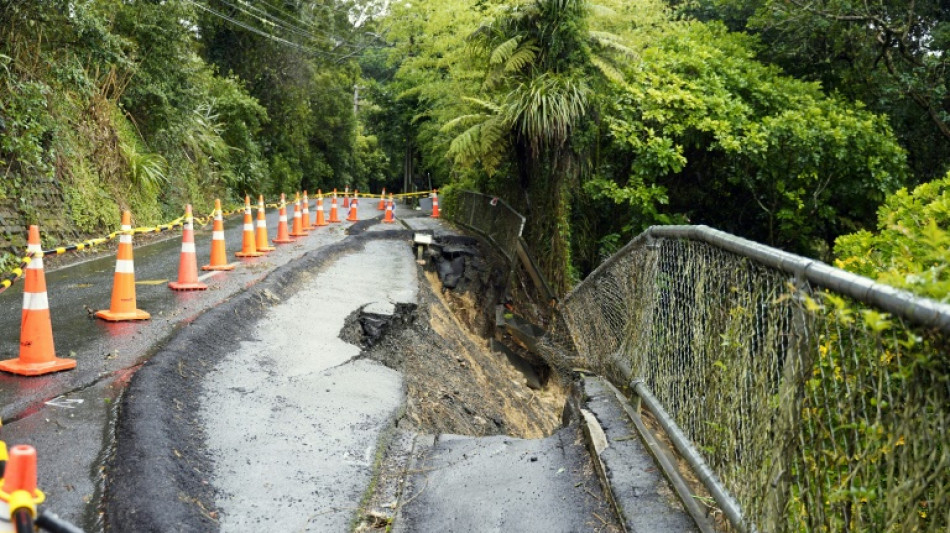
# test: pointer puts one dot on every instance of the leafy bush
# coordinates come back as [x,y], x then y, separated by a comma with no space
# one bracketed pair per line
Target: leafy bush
[911,248]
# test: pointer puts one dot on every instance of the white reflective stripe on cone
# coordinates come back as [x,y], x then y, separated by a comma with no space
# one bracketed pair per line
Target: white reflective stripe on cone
[248,227]
[218,235]
[283,218]
[125,239]
[37,262]
[124,266]
[188,247]
[35,301]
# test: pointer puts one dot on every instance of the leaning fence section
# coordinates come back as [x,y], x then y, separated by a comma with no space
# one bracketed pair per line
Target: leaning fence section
[816,410]
[492,218]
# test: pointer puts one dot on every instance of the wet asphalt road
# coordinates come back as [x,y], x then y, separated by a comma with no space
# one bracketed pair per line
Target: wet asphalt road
[68,416]
[318,411]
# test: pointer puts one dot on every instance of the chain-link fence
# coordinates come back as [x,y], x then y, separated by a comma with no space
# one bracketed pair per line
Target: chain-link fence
[492,218]
[817,410]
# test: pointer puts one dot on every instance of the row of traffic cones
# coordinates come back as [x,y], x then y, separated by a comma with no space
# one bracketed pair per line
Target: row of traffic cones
[37,351]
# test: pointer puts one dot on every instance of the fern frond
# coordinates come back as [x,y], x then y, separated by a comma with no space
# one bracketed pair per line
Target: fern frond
[608,70]
[521,58]
[492,134]
[464,147]
[613,42]
[602,11]
[503,51]
[484,104]
[464,120]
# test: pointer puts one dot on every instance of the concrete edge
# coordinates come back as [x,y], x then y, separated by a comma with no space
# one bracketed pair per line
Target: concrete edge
[574,410]
[597,441]
[421,445]
[660,455]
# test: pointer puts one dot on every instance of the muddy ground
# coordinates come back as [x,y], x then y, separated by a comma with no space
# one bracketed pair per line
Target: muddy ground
[456,383]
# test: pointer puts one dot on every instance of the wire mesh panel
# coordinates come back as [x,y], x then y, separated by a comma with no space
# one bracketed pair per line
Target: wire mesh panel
[492,218]
[816,411]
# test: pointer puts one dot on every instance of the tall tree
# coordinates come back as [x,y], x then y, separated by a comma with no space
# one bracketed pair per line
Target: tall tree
[539,58]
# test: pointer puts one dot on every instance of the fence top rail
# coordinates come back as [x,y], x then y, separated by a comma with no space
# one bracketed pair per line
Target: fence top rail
[923,311]
[503,203]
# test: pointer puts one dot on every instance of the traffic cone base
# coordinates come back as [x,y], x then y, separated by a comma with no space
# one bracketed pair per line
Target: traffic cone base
[226,268]
[16,366]
[249,254]
[109,316]
[187,286]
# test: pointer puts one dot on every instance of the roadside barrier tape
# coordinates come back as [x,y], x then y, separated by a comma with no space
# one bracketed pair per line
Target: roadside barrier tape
[400,195]
[16,273]
[11,277]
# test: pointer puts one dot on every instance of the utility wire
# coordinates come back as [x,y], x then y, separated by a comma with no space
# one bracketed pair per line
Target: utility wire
[258,31]
[268,18]
[294,24]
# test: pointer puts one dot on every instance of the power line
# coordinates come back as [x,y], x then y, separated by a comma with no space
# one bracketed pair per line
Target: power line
[258,31]
[268,18]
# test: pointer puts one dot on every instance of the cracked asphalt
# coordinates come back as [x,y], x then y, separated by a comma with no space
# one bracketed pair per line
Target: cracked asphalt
[70,416]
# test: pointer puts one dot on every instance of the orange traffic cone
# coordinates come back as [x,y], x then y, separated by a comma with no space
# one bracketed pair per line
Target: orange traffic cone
[346,196]
[249,244]
[305,220]
[188,262]
[352,217]
[435,204]
[390,217]
[297,229]
[37,353]
[262,245]
[20,475]
[333,209]
[321,219]
[123,284]
[283,237]
[382,201]
[219,255]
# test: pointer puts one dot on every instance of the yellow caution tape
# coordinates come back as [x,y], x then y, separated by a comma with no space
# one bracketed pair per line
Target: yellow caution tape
[15,274]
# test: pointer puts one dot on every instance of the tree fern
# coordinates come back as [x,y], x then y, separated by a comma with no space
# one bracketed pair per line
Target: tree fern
[503,51]
[523,57]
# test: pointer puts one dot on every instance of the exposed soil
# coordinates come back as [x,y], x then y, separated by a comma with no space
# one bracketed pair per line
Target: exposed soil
[456,383]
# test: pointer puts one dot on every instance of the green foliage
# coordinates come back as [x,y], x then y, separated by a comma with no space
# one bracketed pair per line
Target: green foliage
[699,123]
[893,55]
[370,163]
[597,121]
[911,247]
[120,105]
